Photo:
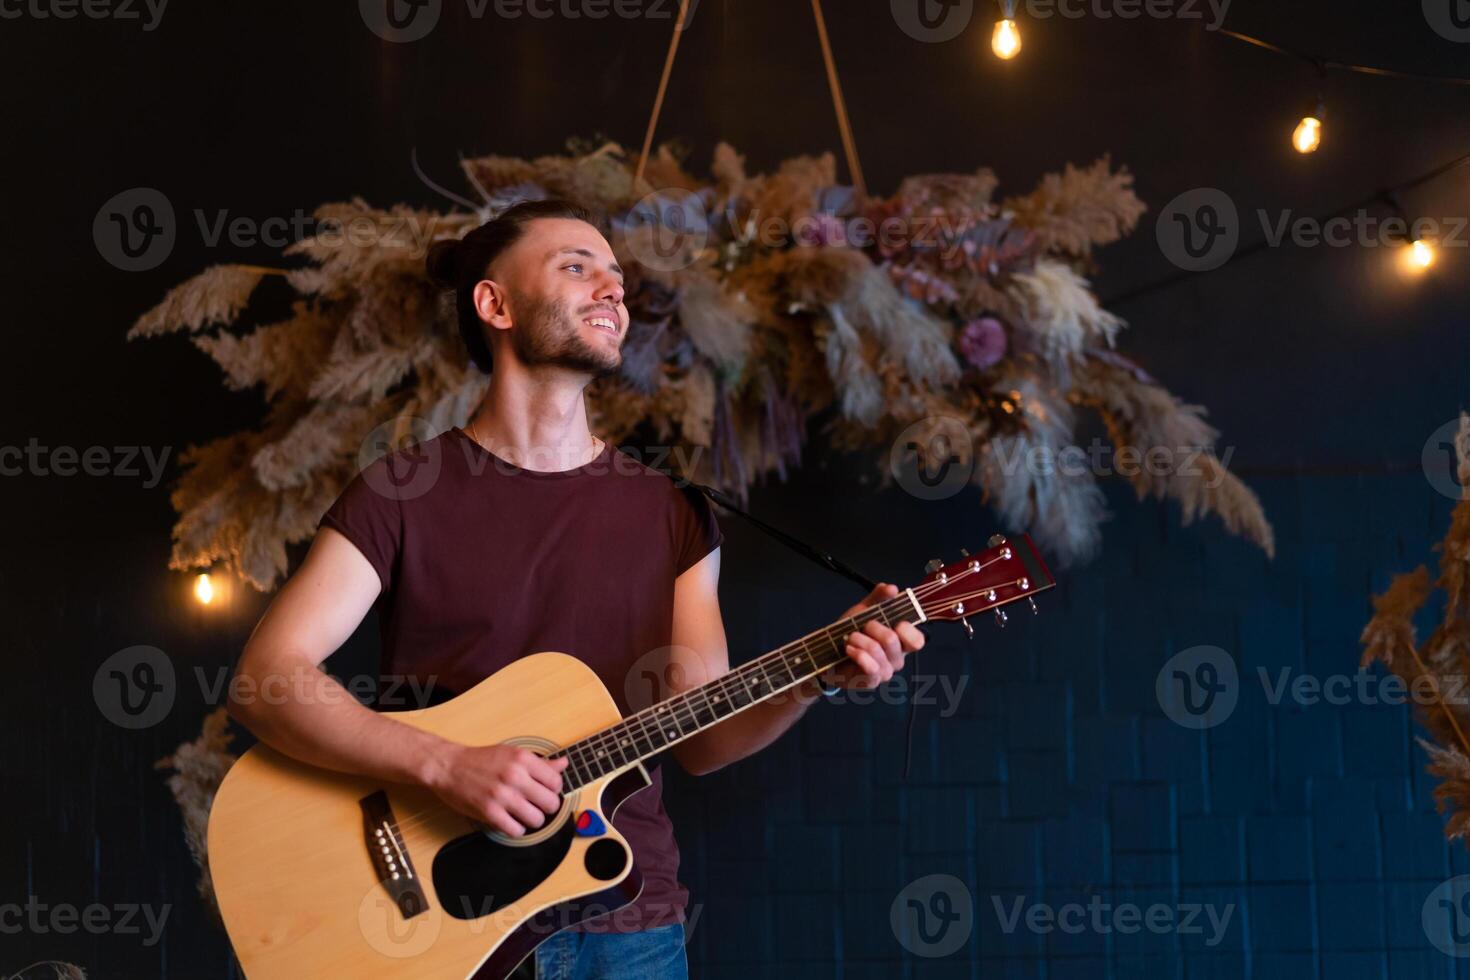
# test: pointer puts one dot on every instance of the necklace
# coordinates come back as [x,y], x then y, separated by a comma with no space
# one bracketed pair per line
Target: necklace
[475,436]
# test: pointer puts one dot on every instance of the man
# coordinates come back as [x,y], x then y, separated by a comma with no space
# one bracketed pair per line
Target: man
[531,535]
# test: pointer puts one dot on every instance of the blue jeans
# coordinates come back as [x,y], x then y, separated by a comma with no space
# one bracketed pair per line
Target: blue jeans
[654,954]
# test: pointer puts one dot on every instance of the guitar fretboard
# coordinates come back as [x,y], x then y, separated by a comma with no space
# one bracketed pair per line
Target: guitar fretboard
[654,729]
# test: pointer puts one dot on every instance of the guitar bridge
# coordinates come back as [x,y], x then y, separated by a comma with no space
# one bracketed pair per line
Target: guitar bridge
[390,855]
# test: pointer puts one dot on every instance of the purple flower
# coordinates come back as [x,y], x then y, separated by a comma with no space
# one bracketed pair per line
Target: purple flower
[983,342]
[820,229]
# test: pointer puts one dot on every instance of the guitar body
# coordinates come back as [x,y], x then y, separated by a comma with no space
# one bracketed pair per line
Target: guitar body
[304,859]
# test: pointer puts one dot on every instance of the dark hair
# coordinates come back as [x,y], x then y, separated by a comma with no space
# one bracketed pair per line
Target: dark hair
[460,264]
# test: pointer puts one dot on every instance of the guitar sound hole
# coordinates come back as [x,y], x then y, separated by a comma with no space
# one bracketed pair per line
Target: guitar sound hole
[606,859]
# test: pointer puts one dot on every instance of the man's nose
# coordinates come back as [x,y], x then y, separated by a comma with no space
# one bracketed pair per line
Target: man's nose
[610,289]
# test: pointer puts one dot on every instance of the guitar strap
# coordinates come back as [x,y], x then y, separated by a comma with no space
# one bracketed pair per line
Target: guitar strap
[831,564]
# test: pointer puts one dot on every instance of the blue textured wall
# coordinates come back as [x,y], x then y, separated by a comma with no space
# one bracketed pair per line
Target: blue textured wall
[1059,777]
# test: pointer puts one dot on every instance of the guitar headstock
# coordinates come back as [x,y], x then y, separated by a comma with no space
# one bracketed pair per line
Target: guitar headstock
[1007,571]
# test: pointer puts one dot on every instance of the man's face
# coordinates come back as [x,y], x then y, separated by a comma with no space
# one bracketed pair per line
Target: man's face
[566,297]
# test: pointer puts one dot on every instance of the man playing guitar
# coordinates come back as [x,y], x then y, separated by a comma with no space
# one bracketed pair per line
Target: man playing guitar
[531,534]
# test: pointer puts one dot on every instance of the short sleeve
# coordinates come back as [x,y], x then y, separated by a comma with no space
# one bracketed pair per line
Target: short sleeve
[696,531]
[372,520]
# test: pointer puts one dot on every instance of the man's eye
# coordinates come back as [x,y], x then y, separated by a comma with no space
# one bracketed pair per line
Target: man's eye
[574,267]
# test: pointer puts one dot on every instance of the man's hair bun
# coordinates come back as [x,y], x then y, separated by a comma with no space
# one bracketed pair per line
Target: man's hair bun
[442,263]
[461,264]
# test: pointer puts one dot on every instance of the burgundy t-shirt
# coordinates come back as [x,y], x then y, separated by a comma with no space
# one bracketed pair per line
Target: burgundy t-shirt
[483,562]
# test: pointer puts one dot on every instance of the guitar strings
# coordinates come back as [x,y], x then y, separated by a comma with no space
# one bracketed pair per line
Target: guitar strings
[420,818]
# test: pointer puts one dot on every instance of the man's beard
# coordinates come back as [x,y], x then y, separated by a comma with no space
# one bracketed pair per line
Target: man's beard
[547,334]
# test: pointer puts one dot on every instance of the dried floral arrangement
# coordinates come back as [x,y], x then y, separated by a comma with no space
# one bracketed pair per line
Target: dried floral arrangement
[976,317]
[198,768]
[1437,668]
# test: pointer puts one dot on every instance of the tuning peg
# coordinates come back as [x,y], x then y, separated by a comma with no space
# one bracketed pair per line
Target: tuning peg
[933,565]
[969,630]
[1000,618]
[1034,610]
[996,539]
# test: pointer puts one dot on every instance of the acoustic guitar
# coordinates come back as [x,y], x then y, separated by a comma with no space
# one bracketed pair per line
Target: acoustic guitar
[321,874]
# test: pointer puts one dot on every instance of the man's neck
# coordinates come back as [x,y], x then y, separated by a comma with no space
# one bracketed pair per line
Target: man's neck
[535,419]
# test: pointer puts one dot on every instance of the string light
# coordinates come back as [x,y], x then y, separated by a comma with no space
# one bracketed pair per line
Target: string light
[1308,133]
[1005,40]
[1421,254]
[204,589]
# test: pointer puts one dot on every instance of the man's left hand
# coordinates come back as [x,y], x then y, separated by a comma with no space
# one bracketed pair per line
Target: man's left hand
[876,653]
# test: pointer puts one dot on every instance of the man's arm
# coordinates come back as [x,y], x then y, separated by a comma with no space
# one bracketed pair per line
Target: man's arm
[306,714]
[700,654]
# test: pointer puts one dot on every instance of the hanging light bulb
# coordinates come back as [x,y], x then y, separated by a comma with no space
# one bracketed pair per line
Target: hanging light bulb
[1421,254]
[1308,133]
[1005,40]
[204,589]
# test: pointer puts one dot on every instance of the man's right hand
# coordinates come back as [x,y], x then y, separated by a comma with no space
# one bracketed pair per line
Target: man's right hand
[503,786]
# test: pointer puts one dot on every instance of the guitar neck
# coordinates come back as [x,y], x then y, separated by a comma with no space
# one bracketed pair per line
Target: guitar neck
[685,715]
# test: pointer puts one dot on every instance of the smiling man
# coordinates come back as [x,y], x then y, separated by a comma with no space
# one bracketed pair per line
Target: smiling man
[533,535]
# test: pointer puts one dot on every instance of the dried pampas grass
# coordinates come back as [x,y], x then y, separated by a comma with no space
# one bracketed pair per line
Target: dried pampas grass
[1060,315]
[1080,209]
[215,296]
[199,767]
[731,352]
[1440,666]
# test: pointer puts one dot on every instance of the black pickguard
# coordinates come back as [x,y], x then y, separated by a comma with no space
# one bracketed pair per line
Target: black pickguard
[513,956]
[475,876]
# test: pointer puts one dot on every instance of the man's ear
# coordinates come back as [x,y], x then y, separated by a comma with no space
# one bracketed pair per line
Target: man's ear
[492,303]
